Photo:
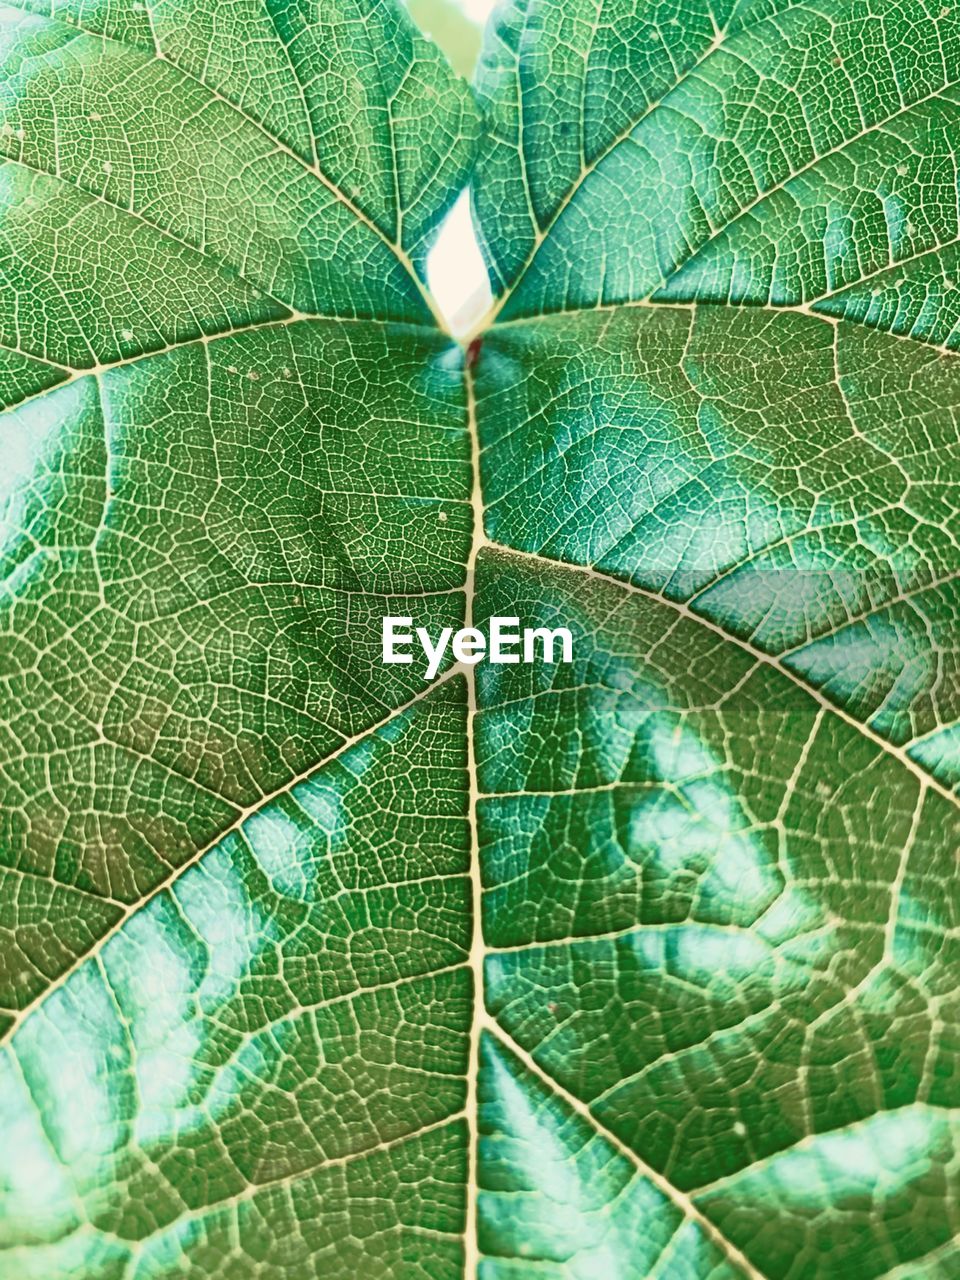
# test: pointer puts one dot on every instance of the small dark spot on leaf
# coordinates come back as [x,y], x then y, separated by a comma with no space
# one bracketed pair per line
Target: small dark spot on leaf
[473,352]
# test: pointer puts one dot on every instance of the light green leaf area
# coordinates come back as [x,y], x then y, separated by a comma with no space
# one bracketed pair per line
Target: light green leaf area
[644,965]
[234,1109]
[762,152]
[453,28]
[791,481]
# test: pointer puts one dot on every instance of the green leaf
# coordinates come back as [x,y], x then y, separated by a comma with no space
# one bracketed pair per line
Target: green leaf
[644,965]
[234,912]
[718,413]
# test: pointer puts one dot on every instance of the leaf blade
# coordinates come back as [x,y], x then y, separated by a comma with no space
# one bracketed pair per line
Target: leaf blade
[230,1020]
[729,985]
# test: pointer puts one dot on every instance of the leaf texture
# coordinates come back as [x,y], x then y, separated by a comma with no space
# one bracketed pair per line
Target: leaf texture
[642,966]
[717,413]
[234,441]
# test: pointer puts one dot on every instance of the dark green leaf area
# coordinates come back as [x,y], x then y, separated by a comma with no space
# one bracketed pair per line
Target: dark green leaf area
[285,1027]
[199,550]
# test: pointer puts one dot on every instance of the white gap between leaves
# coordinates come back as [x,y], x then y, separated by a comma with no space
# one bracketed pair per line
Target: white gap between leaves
[455,270]
[477,11]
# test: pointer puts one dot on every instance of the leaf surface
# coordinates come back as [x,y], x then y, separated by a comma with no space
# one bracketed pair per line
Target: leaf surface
[641,966]
[235,440]
[717,414]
